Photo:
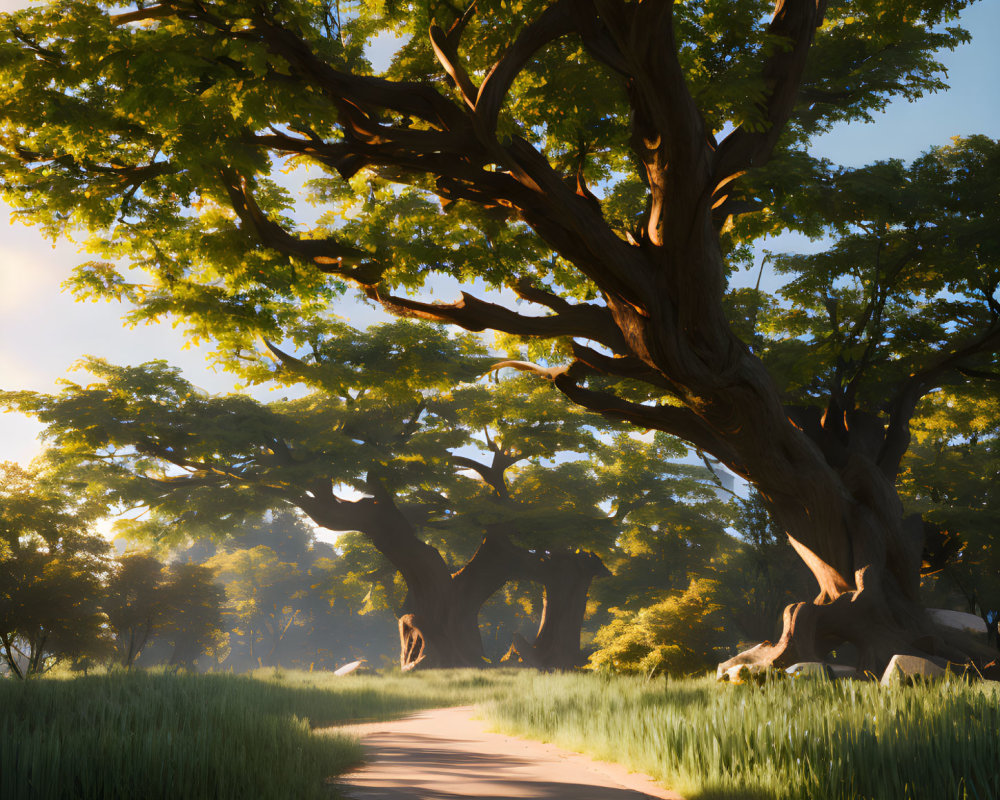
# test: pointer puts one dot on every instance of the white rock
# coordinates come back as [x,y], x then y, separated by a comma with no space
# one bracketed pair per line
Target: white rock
[903,668]
[347,669]
[957,620]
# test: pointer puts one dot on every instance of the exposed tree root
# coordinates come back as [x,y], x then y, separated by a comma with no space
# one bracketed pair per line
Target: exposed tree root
[812,630]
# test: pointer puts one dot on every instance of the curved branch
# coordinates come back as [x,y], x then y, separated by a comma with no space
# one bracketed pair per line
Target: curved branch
[473,314]
[675,420]
[796,22]
[328,254]
[549,373]
[554,22]
[447,55]
[622,366]
[142,14]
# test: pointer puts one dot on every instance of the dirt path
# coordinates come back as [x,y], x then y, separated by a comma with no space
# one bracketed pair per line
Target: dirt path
[445,754]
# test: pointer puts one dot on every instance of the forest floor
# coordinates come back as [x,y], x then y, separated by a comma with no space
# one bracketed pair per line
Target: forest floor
[447,754]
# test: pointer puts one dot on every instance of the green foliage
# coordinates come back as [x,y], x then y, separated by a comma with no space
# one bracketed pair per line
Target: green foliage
[392,409]
[124,131]
[909,281]
[679,635]
[50,589]
[785,740]
[951,475]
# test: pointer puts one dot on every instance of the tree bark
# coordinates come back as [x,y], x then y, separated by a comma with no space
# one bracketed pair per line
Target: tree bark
[850,530]
[441,626]
[566,578]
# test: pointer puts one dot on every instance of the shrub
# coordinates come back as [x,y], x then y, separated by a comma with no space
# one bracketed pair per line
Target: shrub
[678,635]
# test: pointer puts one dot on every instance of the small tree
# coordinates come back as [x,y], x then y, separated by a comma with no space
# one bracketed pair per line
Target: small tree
[50,568]
[135,603]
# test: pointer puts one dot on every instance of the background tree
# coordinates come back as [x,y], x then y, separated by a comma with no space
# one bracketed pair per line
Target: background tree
[134,603]
[50,566]
[193,629]
[588,155]
[951,475]
[260,600]
[294,600]
[432,471]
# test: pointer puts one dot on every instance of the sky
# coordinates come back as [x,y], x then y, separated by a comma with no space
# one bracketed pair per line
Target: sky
[43,332]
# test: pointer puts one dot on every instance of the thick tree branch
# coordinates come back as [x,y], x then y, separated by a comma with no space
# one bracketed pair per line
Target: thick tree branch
[554,22]
[495,561]
[583,320]
[623,366]
[794,21]
[675,420]
[493,473]
[668,133]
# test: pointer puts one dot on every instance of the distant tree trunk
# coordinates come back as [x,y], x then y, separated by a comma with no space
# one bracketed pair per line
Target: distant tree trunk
[566,578]
[439,626]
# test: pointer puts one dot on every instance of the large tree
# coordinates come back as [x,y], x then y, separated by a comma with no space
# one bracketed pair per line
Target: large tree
[602,158]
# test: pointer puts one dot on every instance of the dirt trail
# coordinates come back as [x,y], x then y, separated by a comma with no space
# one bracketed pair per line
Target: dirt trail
[445,754]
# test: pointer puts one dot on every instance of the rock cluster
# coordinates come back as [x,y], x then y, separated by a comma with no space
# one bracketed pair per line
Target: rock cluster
[901,669]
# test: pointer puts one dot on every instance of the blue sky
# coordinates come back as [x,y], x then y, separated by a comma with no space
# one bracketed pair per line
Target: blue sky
[43,332]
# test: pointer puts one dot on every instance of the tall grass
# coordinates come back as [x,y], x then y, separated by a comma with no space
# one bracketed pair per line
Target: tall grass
[150,736]
[785,740]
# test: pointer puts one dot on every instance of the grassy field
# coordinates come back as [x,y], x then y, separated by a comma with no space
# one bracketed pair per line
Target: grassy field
[801,740]
[160,735]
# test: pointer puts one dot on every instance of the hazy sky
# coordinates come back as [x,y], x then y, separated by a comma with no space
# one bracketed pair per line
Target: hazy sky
[43,332]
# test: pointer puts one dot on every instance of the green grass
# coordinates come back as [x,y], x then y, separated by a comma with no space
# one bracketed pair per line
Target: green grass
[267,735]
[801,740]
[160,735]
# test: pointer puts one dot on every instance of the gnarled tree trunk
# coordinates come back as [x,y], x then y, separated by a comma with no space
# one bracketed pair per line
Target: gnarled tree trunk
[439,623]
[845,520]
[441,626]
